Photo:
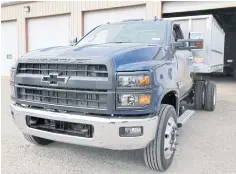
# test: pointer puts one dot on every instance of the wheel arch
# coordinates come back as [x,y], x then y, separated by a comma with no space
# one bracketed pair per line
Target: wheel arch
[170,97]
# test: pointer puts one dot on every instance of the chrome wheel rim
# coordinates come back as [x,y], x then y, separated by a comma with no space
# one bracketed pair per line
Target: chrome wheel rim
[170,138]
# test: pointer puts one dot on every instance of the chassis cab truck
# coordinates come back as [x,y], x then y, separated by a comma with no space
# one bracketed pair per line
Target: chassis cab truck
[119,87]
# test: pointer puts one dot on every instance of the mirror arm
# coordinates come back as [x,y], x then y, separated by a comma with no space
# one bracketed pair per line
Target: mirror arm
[188,40]
[180,44]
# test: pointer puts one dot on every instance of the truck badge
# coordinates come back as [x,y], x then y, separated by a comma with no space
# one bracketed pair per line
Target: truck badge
[54,79]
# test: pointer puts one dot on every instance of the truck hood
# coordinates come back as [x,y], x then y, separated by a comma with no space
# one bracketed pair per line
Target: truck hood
[125,56]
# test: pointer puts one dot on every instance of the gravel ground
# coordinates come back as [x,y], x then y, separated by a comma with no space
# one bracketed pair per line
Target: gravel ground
[207,144]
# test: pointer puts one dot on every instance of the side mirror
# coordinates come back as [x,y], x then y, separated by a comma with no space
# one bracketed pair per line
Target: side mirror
[188,44]
[74,41]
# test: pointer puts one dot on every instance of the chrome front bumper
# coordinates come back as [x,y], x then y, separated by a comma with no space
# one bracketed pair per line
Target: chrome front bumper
[106,130]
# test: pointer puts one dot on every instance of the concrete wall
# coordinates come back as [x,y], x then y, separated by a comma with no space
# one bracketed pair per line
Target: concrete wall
[74,8]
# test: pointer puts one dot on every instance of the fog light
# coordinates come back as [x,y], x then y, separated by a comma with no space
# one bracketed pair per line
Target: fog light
[131,131]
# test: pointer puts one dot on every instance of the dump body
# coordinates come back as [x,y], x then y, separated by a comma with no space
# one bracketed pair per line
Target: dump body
[211,57]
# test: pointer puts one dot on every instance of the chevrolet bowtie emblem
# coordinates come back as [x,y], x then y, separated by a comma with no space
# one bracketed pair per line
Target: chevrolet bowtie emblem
[54,79]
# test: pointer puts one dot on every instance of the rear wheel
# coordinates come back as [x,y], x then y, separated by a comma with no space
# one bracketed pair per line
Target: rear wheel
[199,93]
[210,96]
[158,155]
[37,140]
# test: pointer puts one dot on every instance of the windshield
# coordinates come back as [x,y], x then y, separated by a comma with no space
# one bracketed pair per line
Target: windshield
[132,32]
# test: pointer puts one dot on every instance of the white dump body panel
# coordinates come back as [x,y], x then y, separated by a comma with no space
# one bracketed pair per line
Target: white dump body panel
[211,57]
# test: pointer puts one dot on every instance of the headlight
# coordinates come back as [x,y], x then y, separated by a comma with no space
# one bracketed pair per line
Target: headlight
[134,81]
[134,100]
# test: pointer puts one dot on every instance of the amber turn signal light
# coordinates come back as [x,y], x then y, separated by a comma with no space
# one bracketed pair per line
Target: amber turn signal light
[199,44]
[145,80]
[144,99]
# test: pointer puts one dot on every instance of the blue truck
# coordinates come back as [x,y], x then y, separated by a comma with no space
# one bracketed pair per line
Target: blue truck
[122,86]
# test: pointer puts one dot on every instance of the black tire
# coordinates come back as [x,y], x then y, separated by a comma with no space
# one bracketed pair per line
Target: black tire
[198,94]
[37,140]
[210,96]
[154,153]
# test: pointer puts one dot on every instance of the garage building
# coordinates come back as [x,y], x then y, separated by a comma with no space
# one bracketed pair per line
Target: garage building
[27,26]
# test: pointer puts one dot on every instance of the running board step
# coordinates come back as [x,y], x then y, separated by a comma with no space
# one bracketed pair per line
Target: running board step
[184,117]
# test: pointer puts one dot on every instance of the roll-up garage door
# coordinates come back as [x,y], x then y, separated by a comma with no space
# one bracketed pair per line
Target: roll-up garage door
[48,32]
[9,52]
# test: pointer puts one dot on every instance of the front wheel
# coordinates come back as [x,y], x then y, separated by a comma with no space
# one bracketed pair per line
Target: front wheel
[158,155]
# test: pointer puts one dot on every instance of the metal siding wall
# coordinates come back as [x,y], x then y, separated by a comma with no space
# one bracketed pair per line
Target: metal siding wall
[96,5]
[8,13]
[154,8]
[75,8]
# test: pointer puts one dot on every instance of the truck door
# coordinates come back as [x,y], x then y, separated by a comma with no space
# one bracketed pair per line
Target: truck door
[184,81]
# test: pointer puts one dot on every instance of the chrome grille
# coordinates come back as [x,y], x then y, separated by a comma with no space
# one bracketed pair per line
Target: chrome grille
[64,69]
[56,96]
